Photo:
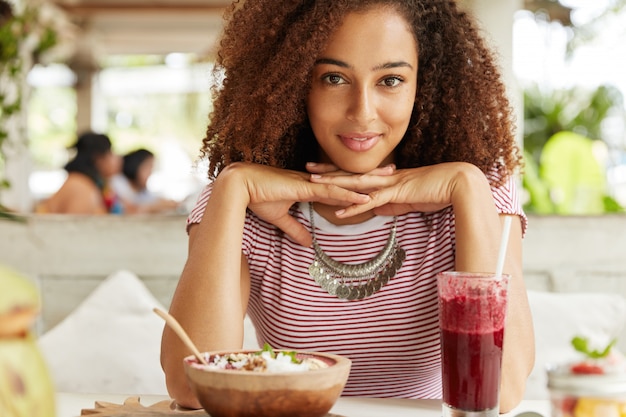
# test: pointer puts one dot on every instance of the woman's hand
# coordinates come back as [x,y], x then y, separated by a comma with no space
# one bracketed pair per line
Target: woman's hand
[395,192]
[272,192]
[319,170]
[332,170]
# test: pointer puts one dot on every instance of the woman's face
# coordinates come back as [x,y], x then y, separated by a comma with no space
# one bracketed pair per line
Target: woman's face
[108,164]
[363,90]
[143,173]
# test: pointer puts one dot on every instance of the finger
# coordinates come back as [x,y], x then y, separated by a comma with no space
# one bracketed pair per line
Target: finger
[320,168]
[294,230]
[362,183]
[392,209]
[334,195]
[386,170]
[378,199]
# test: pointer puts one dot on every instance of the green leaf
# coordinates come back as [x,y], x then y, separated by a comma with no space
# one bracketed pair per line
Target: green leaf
[581,344]
[268,348]
[6,214]
[293,355]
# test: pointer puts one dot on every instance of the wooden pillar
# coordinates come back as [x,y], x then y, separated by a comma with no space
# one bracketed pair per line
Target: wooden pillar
[84,65]
[496,18]
[84,87]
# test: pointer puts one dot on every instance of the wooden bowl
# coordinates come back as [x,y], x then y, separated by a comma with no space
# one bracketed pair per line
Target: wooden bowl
[239,393]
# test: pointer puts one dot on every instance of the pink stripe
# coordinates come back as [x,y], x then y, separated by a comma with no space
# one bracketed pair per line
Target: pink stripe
[393,336]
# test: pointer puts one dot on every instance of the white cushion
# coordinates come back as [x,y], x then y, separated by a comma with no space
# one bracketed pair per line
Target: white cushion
[110,343]
[558,317]
[249,335]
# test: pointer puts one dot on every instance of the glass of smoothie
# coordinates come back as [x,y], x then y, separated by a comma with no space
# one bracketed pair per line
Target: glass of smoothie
[472,308]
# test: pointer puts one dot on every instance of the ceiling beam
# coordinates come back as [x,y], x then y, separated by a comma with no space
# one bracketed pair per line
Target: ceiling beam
[552,8]
[100,8]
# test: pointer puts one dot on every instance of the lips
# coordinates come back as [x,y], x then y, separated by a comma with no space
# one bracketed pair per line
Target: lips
[360,142]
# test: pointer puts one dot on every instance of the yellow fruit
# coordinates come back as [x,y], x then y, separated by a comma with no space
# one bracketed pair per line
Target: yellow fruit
[19,303]
[590,407]
[26,389]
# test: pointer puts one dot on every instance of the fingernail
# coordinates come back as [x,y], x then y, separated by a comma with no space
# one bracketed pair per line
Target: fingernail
[316,176]
[340,212]
[311,164]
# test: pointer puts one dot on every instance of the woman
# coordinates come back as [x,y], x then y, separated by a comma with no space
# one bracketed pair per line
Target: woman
[132,185]
[86,190]
[342,128]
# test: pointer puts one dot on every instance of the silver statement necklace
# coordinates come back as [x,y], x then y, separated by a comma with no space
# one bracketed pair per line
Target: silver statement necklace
[355,282]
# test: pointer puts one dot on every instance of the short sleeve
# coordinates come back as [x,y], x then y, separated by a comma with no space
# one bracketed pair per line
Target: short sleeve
[198,210]
[251,224]
[507,200]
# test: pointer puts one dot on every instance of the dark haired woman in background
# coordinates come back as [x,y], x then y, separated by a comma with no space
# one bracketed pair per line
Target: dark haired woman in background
[132,185]
[86,191]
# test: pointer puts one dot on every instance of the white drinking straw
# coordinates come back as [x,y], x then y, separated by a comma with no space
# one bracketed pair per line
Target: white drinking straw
[504,240]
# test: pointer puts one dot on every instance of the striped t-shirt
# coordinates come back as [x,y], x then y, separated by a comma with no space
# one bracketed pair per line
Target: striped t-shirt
[392,336]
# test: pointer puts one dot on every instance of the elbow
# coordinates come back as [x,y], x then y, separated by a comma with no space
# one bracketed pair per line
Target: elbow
[511,398]
[513,387]
[518,362]
[187,401]
[180,391]
[176,382]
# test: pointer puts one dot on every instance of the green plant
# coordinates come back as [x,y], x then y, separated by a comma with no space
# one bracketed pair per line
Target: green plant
[35,33]
[582,345]
[20,34]
[577,110]
[547,113]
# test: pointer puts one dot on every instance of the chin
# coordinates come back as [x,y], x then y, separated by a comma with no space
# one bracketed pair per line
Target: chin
[359,168]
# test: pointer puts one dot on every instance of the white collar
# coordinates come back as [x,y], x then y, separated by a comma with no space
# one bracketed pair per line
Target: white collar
[376,222]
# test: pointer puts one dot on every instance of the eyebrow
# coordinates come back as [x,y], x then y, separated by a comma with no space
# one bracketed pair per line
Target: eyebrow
[386,65]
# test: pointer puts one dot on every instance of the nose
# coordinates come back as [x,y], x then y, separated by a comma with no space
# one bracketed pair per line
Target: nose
[362,106]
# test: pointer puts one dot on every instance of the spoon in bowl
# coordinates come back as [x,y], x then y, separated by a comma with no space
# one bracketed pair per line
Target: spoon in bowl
[178,329]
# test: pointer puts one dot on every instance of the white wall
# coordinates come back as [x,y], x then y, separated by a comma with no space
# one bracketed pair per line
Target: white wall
[577,253]
[69,255]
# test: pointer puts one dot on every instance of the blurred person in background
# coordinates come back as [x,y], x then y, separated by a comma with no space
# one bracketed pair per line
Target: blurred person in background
[131,185]
[6,12]
[86,189]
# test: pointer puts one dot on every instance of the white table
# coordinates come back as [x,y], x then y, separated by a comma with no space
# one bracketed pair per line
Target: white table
[70,405]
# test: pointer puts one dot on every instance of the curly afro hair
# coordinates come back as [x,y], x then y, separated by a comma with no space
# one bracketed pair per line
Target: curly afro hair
[266,56]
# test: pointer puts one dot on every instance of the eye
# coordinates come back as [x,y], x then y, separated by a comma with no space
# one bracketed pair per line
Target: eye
[334,79]
[393,81]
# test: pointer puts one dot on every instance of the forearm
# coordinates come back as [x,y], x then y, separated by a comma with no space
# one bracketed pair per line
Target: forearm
[477,224]
[478,235]
[519,341]
[518,355]
[208,299]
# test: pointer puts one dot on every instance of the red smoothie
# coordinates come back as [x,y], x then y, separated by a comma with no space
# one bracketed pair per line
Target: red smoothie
[471,376]
[472,330]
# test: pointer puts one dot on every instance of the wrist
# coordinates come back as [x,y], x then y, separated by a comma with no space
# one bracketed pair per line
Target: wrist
[232,183]
[470,185]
